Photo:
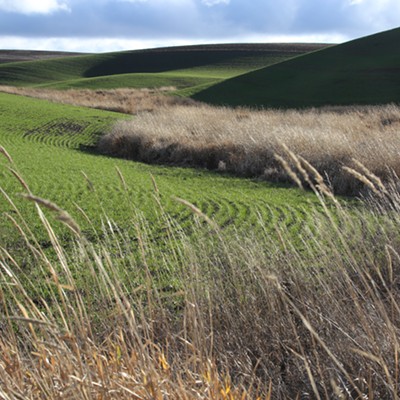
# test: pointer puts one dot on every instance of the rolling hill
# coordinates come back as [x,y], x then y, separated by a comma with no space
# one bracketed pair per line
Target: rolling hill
[362,71]
[181,67]
[7,56]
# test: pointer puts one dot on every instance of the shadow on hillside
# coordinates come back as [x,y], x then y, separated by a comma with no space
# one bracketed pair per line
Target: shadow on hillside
[168,59]
[160,61]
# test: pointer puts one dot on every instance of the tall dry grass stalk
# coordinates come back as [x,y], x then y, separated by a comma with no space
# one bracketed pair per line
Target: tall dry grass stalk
[127,101]
[244,142]
[216,315]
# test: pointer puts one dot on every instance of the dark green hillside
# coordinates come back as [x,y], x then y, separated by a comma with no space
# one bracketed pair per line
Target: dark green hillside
[176,58]
[209,61]
[363,71]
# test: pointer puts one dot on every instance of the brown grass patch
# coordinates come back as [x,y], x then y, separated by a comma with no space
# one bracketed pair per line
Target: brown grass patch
[127,101]
[244,142]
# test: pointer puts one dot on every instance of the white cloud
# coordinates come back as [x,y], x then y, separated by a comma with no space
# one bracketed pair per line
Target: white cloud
[211,3]
[163,2]
[87,45]
[33,6]
[149,23]
[102,45]
[376,14]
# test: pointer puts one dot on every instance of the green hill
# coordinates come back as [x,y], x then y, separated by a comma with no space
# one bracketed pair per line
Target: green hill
[190,66]
[362,71]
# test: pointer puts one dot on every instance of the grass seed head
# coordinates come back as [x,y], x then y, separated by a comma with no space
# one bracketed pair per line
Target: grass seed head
[6,155]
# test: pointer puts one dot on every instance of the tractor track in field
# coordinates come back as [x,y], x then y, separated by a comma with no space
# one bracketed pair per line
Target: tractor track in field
[62,133]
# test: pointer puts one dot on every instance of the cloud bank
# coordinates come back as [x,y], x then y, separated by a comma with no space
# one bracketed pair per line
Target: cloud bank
[192,21]
[32,6]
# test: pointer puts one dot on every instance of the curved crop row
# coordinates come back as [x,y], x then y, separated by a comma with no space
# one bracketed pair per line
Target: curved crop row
[41,143]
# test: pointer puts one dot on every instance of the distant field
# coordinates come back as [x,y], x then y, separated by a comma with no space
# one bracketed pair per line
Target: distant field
[138,81]
[7,56]
[363,71]
[124,100]
[182,67]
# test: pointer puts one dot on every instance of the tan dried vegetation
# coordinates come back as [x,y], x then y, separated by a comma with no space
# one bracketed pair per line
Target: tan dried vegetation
[127,101]
[246,142]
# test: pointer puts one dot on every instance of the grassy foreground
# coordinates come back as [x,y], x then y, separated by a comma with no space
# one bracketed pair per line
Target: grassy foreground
[247,315]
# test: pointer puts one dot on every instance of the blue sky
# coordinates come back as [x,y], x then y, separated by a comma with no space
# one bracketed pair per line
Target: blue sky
[111,25]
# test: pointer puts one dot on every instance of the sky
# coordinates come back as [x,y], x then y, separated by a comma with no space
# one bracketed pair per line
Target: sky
[113,25]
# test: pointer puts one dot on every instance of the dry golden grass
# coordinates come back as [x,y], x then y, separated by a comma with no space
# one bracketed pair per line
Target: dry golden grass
[245,142]
[255,318]
[127,101]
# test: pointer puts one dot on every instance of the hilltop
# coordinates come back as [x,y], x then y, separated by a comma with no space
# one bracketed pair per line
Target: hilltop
[7,56]
[362,71]
[182,67]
